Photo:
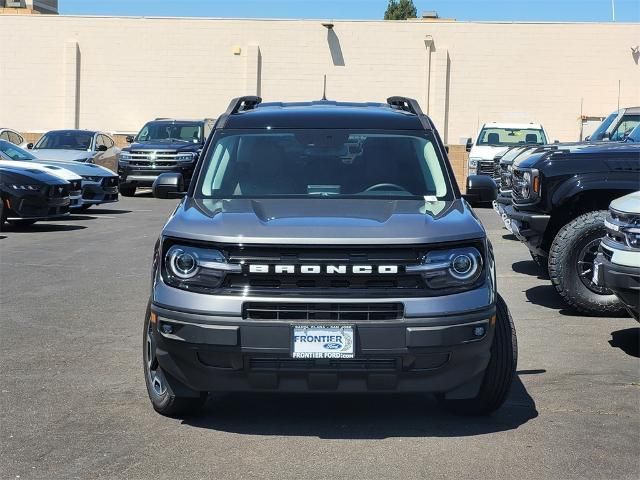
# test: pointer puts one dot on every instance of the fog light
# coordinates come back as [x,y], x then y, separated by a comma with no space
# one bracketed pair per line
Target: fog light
[166,328]
[479,331]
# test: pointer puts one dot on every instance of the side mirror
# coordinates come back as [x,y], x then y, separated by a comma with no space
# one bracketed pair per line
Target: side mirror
[101,148]
[129,139]
[469,144]
[481,188]
[556,141]
[168,185]
[446,148]
[29,146]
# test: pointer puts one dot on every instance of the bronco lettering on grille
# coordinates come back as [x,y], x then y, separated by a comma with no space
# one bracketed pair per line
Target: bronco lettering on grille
[325,269]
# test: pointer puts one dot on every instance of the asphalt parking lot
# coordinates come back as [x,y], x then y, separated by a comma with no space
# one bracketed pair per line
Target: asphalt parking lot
[74,405]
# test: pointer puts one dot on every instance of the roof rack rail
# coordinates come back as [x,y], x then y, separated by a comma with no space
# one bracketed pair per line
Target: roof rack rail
[412,106]
[239,104]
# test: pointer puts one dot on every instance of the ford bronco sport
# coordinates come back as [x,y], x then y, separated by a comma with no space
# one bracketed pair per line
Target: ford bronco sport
[325,246]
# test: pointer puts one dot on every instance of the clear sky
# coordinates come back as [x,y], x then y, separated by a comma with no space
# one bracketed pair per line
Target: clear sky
[516,10]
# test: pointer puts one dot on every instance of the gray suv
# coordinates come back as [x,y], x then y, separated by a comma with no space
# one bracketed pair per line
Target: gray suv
[325,247]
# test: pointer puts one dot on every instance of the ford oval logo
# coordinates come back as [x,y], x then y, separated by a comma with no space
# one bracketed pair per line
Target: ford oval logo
[333,346]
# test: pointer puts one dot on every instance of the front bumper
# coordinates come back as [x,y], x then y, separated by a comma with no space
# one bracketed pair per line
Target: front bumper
[223,353]
[103,191]
[623,280]
[529,227]
[36,207]
[499,205]
[145,176]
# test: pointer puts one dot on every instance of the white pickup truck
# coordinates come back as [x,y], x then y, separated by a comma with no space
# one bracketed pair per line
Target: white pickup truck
[494,138]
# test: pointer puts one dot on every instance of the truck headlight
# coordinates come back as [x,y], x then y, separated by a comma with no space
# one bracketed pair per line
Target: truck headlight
[526,183]
[473,163]
[195,268]
[124,157]
[632,237]
[457,267]
[185,157]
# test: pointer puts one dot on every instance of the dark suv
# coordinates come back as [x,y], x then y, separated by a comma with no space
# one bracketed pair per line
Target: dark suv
[325,246]
[163,145]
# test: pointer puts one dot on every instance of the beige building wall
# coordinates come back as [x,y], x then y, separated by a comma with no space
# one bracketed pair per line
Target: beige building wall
[115,73]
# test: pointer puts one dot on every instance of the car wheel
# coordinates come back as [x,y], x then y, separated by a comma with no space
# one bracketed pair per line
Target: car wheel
[22,223]
[162,396]
[541,262]
[499,373]
[571,265]
[127,190]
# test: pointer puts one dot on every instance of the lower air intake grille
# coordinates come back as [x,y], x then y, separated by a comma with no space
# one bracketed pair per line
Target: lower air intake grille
[292,364]
[322,311]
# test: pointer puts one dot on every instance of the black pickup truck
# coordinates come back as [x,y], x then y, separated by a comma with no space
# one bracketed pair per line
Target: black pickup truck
[560,196]
[163,145]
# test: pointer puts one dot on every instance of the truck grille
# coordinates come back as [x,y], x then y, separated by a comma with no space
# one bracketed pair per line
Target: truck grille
[338,284]
[146,158]
[490,168]
[322,311]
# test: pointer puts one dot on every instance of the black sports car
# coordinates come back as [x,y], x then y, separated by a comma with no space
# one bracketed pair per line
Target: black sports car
[28,195]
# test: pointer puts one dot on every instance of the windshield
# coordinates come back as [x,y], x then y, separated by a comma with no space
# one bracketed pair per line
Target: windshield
[13,152]
[599,132]
[65,140]
[511,136]
[323,163]
[171,131]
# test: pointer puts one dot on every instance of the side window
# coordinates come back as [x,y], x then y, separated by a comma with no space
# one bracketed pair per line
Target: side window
[108,141]
[5,136]
[15,138]
[625,127]
[100,141]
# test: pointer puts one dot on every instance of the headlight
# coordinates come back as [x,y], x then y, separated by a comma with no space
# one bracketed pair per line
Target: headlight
[473,163]
[195,268]
[124,157]
[526,184]
[632,237]
[185,157]
[458,267]
[28,188]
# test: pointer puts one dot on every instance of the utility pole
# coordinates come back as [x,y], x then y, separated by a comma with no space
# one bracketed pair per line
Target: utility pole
[613,10]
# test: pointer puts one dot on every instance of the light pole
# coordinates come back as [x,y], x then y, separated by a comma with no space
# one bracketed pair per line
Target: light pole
[613,10]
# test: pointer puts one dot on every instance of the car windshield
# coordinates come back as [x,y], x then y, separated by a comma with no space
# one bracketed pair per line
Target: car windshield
[65,140]
[598,133]
[511,136]
[171,131]
[9,151]
[323,163]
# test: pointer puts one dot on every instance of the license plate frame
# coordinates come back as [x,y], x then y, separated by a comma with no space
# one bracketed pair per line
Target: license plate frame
[323,341]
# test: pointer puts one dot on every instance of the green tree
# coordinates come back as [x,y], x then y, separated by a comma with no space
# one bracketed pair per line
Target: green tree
[400,10]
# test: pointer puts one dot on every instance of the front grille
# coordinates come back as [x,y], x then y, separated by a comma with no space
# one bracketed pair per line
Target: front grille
[108,182]
[59,191]
[490,168]
[351,312]
[147,158]
[334,284]
[348,364]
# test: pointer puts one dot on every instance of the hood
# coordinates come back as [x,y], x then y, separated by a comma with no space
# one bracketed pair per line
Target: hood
[173,146]
[56,154]
[79,168]
[61,173]
[627,204]
[18,173]
[323,221]
[485,152]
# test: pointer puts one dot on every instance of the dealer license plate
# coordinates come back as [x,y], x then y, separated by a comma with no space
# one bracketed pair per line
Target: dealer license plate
[316,341]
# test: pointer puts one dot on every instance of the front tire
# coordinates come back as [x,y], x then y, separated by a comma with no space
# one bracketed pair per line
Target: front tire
[499,373]
[162,396]
[127,189]
[571,265]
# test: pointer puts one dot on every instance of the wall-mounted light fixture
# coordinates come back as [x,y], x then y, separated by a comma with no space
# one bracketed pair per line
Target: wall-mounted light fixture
[328,26]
